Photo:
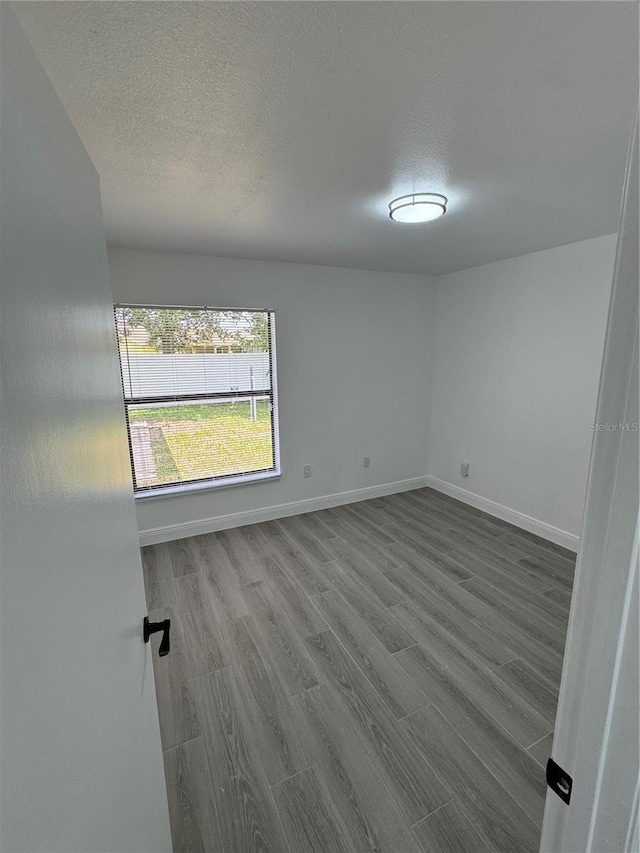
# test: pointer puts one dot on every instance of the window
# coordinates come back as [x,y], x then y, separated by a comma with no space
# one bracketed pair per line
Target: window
[199,394]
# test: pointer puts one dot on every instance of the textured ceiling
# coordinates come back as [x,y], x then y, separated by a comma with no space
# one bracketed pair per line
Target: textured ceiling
[281,130]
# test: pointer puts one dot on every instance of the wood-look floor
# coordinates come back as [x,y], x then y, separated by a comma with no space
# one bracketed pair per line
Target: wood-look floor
[381,677]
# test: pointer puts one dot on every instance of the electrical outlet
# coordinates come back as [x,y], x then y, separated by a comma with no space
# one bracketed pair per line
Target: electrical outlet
[306,471]
[464,469]
[367,461]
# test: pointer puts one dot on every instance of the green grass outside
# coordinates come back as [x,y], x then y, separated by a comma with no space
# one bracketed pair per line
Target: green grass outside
[210,440]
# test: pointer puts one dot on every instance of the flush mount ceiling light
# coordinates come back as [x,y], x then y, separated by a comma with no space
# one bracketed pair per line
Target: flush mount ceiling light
[418,207]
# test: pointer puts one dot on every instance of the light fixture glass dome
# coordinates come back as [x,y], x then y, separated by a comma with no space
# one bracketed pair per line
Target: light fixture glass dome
[418,207]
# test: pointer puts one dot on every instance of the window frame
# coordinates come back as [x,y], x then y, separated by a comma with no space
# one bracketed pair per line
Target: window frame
[224,481]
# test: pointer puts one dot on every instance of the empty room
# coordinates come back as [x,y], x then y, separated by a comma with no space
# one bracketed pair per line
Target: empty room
[320,457]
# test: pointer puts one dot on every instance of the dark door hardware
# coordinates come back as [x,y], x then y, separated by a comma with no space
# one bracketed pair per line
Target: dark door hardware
[559,781]
[150,628]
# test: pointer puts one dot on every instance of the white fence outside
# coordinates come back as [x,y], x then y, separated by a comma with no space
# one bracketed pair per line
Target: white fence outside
[194,373]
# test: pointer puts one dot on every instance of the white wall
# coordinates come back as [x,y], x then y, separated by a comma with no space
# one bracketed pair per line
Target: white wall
[518,348]
[505,364]
[353,350]
[81,761]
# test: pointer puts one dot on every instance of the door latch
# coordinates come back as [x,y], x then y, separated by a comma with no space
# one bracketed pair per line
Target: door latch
[149,628]
[559,781]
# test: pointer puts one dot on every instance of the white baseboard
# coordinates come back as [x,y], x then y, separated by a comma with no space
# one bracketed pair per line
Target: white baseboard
[240,519]
[518,519]
[253,516]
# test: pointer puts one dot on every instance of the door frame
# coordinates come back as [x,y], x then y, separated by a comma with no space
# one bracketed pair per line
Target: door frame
[596,735]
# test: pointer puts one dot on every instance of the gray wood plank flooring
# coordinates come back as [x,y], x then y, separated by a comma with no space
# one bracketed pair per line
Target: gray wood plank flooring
[448,830]
[379,677]
[311,820]
[194,824]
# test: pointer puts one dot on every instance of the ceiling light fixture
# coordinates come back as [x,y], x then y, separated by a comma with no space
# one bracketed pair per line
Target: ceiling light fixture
[418,207]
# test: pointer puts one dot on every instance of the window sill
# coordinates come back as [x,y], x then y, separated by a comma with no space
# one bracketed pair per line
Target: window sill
[207,485]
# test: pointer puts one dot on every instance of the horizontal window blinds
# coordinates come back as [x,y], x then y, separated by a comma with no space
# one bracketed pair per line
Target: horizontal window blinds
[198,392]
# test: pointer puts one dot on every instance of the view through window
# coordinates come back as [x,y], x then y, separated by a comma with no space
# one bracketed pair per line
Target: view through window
[199,394]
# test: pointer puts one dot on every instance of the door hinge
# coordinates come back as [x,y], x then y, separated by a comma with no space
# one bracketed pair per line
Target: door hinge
[559,781]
